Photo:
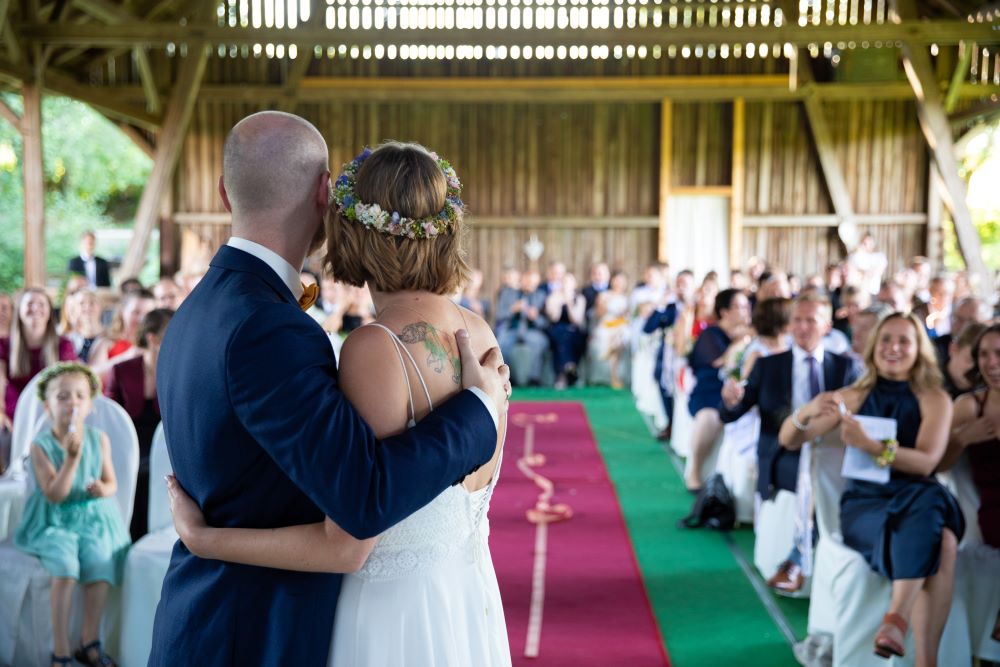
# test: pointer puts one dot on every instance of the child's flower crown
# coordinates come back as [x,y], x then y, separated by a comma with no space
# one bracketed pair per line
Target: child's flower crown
[64,368]
[391,222]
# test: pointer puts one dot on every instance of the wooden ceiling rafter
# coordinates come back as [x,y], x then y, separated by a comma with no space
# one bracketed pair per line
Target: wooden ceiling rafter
[152,33]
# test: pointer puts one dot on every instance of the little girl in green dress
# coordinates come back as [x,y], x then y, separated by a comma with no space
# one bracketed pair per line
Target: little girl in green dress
[71,520]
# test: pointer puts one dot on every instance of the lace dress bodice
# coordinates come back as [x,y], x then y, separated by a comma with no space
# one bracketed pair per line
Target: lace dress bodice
[452,526]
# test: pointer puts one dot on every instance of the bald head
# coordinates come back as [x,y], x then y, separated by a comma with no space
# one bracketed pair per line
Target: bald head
[272,161]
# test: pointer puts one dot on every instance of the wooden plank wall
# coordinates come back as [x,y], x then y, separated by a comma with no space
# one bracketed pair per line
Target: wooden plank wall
[574,171]
[885,163]
[583,177]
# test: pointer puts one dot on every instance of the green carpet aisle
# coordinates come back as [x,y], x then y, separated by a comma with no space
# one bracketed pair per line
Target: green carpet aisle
[707,610]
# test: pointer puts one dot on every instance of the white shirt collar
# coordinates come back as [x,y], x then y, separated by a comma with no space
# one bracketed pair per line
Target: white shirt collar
[288,273]
[800,355]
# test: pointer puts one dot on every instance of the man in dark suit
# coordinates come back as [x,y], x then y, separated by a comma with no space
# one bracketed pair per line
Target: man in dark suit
[600,276]
[777,385]
[663,319]
[259,433]
[90,265]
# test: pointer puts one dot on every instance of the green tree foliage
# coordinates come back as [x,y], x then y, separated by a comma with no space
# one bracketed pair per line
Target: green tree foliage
[94,176]
[980,167]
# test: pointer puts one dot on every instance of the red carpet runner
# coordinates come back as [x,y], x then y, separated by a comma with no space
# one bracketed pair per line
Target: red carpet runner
[590,607]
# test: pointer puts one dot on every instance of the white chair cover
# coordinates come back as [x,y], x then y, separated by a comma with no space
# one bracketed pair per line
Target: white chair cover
[680,431]
[977,581]
[147,562]
[848,598]
[13,488]
[25,610]
[159,467]
[738,462]
[646,388]
[774,530]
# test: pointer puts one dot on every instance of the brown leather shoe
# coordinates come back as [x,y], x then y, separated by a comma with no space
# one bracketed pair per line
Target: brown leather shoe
[890,637]
[788,579]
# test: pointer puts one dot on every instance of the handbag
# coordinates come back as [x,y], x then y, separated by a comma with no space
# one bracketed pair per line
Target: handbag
[714,507]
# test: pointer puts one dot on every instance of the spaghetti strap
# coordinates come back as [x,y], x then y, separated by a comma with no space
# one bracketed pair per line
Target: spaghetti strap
[423,385]
[396,343]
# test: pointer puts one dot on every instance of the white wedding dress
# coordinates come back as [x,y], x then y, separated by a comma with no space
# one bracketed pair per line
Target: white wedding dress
[427,596]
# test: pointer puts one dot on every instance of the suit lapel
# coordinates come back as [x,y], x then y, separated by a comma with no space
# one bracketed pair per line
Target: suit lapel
[233,259]
[830,379]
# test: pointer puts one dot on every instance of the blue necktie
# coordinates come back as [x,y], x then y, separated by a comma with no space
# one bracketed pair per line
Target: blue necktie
[813,376]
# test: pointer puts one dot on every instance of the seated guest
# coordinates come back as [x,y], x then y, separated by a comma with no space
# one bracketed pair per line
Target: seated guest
[862,325]
[167,294]
[33,345]
[83,312]
[853,300]
[732,312]
[663,319]
[957,366]
[133,386]
[965,311]
[893,296]
[358,308]
[938,316]
[771,319]
[609,336]
[907,528]
[123,331]
[471,298]
[778,384]
[566,309]
[600,276]
[521,321]
[976,431]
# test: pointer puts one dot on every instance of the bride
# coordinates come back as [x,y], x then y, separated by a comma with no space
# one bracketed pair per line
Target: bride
[424,592]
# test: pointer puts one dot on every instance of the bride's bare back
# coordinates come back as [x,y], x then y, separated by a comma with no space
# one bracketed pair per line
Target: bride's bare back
[371,375]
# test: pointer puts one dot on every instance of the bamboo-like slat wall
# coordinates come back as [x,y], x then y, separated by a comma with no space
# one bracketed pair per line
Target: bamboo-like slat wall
[583,177]
[575,170]
[884,161]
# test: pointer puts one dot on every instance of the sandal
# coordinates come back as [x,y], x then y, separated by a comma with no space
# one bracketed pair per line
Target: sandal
[60,659]
[886,643]
[82,655]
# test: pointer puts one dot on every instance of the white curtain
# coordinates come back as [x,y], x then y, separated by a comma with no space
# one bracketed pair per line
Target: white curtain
[698,235]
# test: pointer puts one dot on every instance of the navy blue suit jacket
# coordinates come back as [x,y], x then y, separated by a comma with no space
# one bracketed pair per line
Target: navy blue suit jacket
[261,437]
[661,319]
[769,387]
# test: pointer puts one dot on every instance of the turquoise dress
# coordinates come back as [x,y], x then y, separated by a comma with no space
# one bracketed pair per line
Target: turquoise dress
[82,537]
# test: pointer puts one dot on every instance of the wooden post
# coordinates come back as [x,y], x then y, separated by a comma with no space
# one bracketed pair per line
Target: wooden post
[666,151]
[937,132]
[34,185]
[738,184]
[933,251]
[168,148]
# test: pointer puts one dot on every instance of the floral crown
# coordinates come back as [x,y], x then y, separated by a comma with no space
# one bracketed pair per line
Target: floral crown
[64,368]
[390,222]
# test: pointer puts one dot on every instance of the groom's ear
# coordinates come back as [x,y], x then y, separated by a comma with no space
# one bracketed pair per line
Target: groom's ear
[323,192]
[225,197]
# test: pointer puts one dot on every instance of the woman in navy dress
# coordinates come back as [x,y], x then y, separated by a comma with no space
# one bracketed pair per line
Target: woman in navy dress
[732,314]
[908,528]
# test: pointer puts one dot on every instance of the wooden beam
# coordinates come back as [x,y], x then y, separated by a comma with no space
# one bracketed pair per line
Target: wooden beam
[168,148]
[138,138]
[10,116]
[933,243]
[829,220]
[958,77]
[10,41]
[34,185]
[982,111]
[666,154]
[150,33]
[483,221]
[736,199]
[757,87]
[147,79]
[833,174]
[296,72]
[937,132]
[104,100]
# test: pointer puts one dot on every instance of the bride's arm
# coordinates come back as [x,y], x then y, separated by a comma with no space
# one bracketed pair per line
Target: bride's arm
[314,547]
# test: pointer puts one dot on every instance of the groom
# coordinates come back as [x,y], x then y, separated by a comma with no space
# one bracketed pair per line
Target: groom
[259,433]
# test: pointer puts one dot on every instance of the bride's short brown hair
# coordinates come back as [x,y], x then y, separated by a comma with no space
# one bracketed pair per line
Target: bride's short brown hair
[405,179]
